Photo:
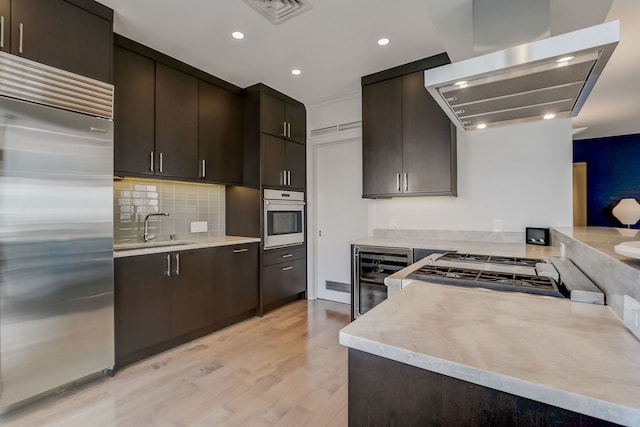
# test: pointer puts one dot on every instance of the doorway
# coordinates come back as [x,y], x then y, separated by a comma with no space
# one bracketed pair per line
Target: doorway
[341,215]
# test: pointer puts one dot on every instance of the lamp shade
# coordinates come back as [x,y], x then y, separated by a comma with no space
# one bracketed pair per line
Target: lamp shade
[627,211]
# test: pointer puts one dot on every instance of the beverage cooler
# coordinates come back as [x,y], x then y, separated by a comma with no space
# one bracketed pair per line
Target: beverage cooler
[371,265]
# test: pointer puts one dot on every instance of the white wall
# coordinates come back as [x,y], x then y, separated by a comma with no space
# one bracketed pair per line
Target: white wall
[521,174]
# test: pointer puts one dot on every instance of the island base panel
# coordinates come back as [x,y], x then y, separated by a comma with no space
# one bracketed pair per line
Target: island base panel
[384,392]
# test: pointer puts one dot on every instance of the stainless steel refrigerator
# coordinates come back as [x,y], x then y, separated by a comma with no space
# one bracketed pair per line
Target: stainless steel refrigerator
[56,228]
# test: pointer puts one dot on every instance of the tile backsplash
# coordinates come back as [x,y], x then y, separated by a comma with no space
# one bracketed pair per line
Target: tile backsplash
[185,202]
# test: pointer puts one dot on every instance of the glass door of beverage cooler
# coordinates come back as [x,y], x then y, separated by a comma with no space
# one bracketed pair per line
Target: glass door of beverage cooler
[371,267]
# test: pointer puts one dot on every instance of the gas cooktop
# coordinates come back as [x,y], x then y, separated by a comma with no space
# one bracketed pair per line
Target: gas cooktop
[487,271]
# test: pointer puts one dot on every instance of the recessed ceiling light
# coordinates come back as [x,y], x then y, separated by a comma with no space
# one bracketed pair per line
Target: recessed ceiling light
[549,116]
[565,59]
[296,72]
[384,41]
[237,35]
[482,126]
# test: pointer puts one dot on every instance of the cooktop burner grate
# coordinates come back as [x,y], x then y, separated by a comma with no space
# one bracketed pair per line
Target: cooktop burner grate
[470,277]
[491,259]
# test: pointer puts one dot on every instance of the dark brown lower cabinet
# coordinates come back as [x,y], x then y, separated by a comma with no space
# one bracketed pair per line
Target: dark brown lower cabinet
[142,305]
[192,290]
[166,299]
[282,282]
[236,281]
[384,392]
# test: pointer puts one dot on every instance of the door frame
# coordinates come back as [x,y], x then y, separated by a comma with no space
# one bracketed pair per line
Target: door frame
[313,143]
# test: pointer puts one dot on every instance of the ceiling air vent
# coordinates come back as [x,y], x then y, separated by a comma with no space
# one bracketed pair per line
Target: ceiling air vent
[278,11]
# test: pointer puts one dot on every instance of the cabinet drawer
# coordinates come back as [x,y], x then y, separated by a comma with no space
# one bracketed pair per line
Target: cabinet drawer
[275,256]
[284,280]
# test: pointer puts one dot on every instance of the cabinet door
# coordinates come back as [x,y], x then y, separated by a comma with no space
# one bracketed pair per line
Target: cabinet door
[382,137]
[295,164]
[191,287]
[176,123]
[235,286]
[219,134]
[272,160]
[272,115]
[134,109]
[60,34]
[5,25]
[142,303]
[283,280]
[296,117]
[427,139]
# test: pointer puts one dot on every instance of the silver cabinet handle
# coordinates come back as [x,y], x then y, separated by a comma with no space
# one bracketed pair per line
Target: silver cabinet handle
[406,181]
[21,38]
[398,181]
[151,161]
[160,168]
[168,272]
[239,251]
[1,31]
[284,128]
[177,264]
[287,268]
[289,130]
[204,168]
[284,177]
[287,256]
[289,178]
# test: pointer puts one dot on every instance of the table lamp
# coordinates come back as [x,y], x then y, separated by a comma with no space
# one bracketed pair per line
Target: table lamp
[627,211]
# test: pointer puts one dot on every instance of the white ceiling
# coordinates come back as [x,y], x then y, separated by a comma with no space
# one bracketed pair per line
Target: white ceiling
[334,44]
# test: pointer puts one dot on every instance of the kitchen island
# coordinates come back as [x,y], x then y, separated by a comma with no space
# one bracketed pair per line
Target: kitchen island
[445,355]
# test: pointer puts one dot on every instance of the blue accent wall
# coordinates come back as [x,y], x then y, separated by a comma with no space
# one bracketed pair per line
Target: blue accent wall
[613,173]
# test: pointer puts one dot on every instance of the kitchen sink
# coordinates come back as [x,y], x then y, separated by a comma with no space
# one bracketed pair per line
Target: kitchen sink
[132,246]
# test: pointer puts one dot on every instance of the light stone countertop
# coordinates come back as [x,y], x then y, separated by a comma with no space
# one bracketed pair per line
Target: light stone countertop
[476,247]
[180,245]
[604,239]
[571,355]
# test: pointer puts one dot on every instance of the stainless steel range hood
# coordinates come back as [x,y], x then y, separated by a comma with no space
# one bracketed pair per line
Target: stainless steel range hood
[523,83]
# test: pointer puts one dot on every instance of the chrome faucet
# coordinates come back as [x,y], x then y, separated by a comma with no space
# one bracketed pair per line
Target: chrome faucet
[146,235]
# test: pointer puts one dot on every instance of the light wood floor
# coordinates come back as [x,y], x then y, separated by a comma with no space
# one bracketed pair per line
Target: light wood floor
[285,369]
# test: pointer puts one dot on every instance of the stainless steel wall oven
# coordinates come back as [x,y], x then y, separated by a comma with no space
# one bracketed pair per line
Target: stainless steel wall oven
[283,218]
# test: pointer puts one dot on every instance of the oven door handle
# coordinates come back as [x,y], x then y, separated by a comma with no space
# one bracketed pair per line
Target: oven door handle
[284,202]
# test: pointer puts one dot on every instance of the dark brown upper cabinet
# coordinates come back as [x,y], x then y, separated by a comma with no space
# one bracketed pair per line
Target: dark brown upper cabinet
[382,137]
[176,123]
[76,35]
[409,143]
[283,163]
[282,119]
[428,142]
[5,25]
[219,135]
[134,113]
[272,157]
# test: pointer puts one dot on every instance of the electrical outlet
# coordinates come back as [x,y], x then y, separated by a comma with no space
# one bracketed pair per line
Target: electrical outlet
[497,225]
[199,227]
[631,315]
